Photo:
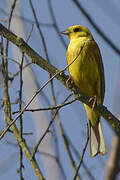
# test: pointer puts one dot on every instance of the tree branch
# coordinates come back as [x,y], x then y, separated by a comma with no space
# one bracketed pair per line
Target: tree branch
[114,160]
[37,59]
[8,119]
[95,26]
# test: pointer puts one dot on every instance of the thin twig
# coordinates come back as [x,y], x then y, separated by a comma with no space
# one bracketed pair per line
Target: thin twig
[44,154]
[83,153]
[20,108]
[88,171]
[21,120]
[66,142]
[6,57]
[95,26]
[30,33]
[17,73]
[52,107]
[113,164]
[43,42]
[46,131]
[7,107]
[37,92]
[55,23]
[40,32]
[41,62]
[26,20]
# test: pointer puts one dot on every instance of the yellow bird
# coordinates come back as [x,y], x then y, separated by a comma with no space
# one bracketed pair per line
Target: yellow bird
[87,72]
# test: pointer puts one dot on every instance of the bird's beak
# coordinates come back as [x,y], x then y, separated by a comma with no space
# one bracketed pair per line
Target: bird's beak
[66,32]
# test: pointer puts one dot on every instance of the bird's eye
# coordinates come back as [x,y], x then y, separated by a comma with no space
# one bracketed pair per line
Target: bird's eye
[76,29]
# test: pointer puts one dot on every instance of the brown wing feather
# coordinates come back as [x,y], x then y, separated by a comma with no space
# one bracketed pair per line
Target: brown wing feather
[100,69]
[93,47]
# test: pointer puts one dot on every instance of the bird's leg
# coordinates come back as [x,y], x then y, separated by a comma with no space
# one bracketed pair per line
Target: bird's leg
[69,81]
[94,99]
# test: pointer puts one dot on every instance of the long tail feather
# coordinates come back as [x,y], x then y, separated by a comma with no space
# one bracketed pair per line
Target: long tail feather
[97,141]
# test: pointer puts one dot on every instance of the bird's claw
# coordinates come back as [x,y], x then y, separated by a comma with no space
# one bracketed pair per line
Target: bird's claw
[94,99]
[69,80]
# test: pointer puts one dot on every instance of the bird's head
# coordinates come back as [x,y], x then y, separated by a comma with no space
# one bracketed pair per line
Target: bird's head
[77,31]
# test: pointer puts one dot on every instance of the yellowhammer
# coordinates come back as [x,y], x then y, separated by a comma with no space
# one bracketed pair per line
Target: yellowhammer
[87,72]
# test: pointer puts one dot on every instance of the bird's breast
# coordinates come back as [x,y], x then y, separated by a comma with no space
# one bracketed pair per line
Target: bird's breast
[82,69]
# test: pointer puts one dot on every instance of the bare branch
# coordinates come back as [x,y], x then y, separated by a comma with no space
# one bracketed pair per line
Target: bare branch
[37,59]
[7,107]
[21,119]
[83,153]
[50,108]
[55,23]
[114,159]
[99,31]
[26,20]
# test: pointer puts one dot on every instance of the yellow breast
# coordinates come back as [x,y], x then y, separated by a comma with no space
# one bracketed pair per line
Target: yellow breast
[83,70]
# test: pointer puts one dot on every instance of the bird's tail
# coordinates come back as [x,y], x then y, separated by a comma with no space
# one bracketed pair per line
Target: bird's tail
[97,141]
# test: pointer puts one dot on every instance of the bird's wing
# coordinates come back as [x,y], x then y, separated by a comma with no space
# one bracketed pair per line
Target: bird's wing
[96,51]
[90,50]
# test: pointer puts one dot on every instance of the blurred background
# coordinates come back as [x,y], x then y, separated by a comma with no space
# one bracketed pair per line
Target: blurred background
[40,23]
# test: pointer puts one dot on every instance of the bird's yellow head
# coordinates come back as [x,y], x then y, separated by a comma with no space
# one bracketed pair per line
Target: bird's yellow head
[77,31]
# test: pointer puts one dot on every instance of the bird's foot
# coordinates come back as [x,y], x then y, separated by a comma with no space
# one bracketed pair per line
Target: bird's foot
[94,99]
[69,81]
